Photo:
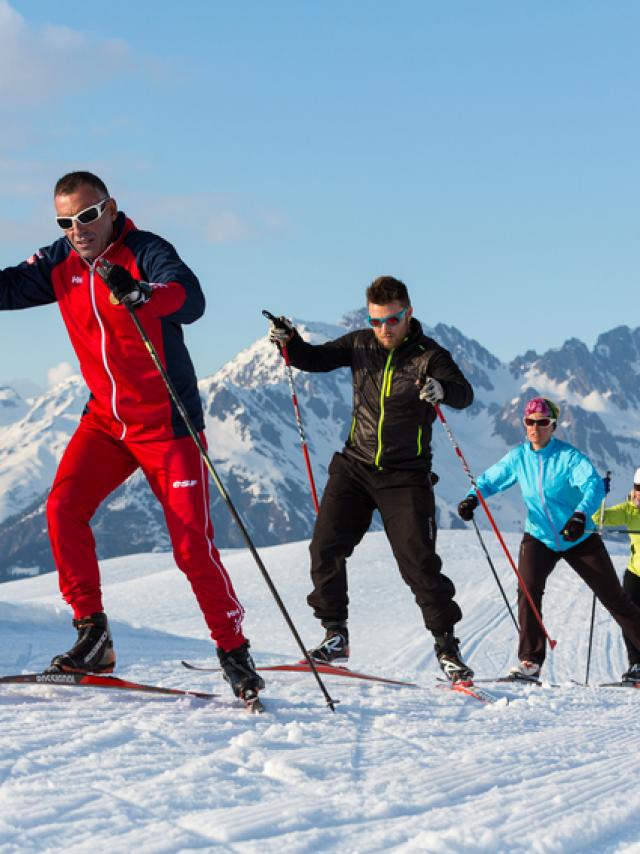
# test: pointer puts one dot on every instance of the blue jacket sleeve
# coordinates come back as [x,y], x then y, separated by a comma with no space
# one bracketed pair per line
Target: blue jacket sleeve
[498,477]
[27,285]
[585,478]
[182,301]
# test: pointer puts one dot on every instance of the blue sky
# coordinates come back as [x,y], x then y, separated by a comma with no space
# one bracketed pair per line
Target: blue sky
[484,152]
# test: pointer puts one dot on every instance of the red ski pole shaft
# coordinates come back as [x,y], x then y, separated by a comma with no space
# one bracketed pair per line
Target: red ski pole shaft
[303,440]
[523,586]
[298,415]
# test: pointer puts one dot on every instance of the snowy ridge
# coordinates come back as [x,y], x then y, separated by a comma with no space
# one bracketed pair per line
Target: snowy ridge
[395,769]
[32,441]
[255,445]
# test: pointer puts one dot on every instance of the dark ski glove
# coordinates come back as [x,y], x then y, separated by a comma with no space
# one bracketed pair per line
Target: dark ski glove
[124,288]
[466,507]
[574,528]
[281,331]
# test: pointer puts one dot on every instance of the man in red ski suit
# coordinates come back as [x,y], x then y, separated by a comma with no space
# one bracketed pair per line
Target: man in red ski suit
[130,420]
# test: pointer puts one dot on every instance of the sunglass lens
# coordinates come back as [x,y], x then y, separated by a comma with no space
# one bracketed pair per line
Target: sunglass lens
[89,215]
[391,320]
[64,222]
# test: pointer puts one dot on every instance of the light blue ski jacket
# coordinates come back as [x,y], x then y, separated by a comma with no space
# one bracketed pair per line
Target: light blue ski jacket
[556,481]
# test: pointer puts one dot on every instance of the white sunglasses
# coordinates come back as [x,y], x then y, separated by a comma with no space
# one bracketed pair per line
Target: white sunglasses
[90,214]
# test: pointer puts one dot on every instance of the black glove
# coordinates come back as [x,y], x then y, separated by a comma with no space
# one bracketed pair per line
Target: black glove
[280,331]
[466,507]
[574,528]
[123,286]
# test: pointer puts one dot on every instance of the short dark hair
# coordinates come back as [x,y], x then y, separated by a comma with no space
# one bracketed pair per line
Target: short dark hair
[70,182]
[386,289]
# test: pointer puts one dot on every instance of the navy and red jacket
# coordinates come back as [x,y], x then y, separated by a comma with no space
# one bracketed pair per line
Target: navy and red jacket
[129,398]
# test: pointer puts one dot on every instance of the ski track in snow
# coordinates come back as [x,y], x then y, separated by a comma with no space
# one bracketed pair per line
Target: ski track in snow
[394,769]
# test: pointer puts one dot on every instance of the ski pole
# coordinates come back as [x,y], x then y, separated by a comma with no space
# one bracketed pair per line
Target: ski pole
[606,480]
[495,574]
[523,586]
[606,531]
[296,409]
[104,268]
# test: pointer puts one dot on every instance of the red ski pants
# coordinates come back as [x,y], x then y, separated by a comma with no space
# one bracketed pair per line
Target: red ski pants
[92,466]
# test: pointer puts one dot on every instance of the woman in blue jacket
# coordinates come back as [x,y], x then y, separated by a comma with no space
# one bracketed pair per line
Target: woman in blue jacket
[561,490]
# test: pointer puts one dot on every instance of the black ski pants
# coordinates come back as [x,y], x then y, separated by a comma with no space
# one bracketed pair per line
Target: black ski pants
[631,586]
[591,561]
[406,504]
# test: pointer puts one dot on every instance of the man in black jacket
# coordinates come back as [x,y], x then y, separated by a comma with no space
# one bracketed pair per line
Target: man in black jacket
[398,374]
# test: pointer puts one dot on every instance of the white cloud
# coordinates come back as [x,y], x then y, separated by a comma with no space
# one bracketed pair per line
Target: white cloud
[214,217]
[59,372]
[38,62]
[225,227]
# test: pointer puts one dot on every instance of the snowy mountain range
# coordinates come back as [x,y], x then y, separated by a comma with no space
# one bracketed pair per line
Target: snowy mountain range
[255,445]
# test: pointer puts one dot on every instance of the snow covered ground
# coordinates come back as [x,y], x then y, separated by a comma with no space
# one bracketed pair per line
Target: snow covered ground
[394,769]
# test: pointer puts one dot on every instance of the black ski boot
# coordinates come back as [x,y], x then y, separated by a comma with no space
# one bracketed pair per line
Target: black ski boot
[92,652]
[334,647]
[239,670]
[448,655]
[632,674]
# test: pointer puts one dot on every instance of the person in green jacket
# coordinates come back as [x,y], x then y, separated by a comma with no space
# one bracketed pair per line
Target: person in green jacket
[627,515]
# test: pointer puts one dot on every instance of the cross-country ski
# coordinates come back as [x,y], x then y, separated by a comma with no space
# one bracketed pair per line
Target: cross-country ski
[95,680]
[303,667]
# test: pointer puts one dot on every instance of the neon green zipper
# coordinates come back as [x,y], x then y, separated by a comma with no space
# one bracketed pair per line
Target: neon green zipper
[420,441]
[385,391]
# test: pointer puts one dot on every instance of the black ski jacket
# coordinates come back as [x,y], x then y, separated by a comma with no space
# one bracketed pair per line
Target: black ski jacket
[390,426]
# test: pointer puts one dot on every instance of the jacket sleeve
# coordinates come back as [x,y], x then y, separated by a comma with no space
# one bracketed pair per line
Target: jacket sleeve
[616,515]
[320,358]
[440,365]
[585,478]
[176,291]
[497,478]
[27,285]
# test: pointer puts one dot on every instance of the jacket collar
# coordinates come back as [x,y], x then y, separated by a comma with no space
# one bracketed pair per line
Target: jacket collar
[546,451]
